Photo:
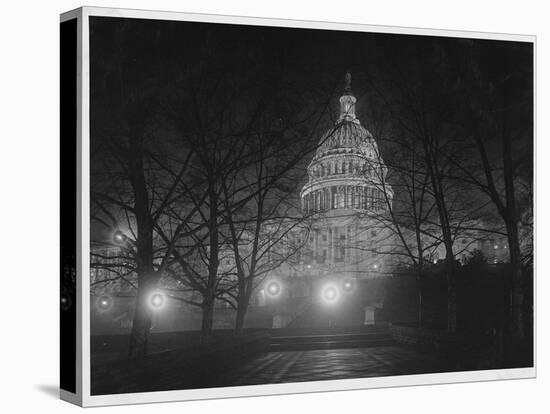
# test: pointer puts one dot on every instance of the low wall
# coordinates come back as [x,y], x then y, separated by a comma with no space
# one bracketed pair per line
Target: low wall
[433,339]
[177,368]
[463,352]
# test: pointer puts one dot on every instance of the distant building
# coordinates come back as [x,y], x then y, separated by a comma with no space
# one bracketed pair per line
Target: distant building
[346,200]
[344,197]
[346,236]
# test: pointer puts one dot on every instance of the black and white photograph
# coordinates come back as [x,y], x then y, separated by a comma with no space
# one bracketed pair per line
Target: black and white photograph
[275,207]
[281,205]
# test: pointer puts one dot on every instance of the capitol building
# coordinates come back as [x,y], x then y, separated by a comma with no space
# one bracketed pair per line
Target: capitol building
[343,201]
[346,203]
[345,242]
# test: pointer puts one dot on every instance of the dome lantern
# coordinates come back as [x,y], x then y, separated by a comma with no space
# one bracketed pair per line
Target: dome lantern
[347,102]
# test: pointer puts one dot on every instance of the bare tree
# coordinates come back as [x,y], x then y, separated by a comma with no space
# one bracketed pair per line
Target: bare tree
[261,220]
[408,211]
[130,194]
[498,119]
[249,129]
[422,106]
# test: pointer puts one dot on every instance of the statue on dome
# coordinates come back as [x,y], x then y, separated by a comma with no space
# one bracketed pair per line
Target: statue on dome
[348,81]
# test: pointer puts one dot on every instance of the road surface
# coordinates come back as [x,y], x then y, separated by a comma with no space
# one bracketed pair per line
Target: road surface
[330,364]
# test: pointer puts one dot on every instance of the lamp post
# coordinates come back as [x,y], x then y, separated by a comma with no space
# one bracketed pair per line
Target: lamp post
[119,238]
[330,294]
[309,279]
[104,303]
[348,285]
[273,288]
[157,300]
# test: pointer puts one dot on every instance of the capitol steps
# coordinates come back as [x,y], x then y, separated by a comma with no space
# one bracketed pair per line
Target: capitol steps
[353,337]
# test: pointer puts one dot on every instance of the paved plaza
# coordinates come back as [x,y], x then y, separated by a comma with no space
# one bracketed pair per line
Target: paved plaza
[330,364]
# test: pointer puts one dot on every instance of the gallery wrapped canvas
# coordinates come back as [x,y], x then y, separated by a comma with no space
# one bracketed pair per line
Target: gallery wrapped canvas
[256,206]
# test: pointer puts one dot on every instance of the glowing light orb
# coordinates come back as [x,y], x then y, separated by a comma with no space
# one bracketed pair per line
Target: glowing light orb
[347,285]
[66,302]
[157,300]
[104,303]
[119,237]
[273,288]
[330,294]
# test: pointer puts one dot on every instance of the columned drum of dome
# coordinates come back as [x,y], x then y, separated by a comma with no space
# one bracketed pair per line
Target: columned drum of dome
[347,171]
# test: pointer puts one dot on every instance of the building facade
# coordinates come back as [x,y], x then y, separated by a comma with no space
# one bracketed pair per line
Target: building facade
[343,200]
[345,238]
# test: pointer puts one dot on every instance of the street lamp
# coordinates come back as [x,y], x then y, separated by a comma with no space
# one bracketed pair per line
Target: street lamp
[157,300]
[66,301]
[330,294]
[104,303]
[348,285]
[119,238]
[273,288]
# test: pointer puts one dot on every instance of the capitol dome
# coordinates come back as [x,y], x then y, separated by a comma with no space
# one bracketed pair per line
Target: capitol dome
[347,137]
[347,171]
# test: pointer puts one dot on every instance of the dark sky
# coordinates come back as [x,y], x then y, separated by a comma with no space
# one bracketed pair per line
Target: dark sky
[136,51]
[146,61]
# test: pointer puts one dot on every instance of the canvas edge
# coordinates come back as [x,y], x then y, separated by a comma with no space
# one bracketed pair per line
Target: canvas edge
[306,24]
[535,209]
[309,387]
[84,397]
[77,397]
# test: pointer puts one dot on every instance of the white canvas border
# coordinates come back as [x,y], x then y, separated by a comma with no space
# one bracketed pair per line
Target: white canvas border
[76,398]
[83,231]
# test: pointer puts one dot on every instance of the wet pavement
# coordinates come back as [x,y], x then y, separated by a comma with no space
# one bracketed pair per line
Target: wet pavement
[330,364]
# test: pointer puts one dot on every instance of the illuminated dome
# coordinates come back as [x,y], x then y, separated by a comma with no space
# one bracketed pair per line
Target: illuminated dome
[347,171]
[347,137]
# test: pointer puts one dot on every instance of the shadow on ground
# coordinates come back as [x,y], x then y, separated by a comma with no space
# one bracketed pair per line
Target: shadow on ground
[51,390]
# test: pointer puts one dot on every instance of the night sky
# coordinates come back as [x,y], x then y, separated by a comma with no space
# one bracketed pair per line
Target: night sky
[139,66]
[128,53]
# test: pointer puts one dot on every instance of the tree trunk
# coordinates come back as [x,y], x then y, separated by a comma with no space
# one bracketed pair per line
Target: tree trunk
[508,211]
[141,326]
[436,179]
[242,307]
[241,312]
[207,320]
[147,277]
[147,283]
[511,220]
[420,300]
[210,292]
[451,295]
[516,321]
